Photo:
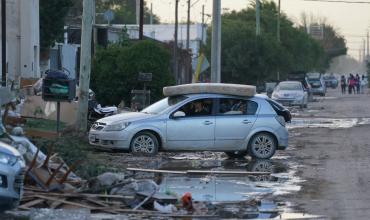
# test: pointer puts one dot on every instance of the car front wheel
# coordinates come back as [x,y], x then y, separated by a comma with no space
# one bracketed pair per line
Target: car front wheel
[144,143]
[262,146]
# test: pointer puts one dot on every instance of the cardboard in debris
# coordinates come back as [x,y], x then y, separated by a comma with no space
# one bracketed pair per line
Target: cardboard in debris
[218,88]
[35,107]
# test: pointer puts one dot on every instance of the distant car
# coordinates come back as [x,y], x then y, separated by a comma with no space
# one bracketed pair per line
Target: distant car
[12,168]
[235,125]
[318,86]
[301,77]
[291,93]
[331,81]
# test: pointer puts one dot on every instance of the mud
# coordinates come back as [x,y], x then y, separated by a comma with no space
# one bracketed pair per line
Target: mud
[332,147]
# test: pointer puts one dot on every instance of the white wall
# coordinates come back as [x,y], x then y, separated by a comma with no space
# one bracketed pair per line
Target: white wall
[164,33]
[23,39]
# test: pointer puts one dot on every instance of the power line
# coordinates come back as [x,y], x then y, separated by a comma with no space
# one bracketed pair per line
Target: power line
[339,1]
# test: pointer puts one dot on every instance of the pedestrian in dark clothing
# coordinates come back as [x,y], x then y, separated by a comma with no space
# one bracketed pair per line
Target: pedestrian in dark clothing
[351,84]
[358,83]
[343,84]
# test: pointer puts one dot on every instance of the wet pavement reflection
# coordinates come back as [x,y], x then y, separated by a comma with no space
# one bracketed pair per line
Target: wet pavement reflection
[234,193]
[230,187]
[332,123]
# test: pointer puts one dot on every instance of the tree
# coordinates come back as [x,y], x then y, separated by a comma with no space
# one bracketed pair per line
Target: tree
[52,15]
[251,59]
[116,68]
[333,43]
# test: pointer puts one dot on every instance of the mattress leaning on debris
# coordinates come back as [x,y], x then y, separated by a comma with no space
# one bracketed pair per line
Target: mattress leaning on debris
[218,88]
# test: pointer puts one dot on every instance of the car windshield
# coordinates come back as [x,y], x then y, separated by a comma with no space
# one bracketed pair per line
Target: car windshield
[290,86]
[315,83]
[163,104]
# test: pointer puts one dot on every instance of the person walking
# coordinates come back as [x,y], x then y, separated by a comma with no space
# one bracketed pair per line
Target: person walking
[358,83]
[351,83]
[364,84]
[343,84]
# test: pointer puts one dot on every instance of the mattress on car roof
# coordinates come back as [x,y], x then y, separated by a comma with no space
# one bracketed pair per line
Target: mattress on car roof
[218,88]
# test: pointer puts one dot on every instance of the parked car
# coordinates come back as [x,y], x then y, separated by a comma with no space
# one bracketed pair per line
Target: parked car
[197,122]
[291,93]
[331,81]
[318,86]
[12,168]
[301,77]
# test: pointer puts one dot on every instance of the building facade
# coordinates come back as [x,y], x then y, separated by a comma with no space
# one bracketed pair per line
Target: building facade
[22,39]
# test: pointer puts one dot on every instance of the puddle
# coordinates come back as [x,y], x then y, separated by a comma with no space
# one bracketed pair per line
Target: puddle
[231,187]
[364,121]
[333,123]
[323,123]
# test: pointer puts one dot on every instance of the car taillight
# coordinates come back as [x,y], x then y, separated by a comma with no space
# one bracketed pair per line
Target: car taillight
[281,120]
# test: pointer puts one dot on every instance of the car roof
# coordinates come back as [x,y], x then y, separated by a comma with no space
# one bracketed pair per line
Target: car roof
[219,95]
[290,82]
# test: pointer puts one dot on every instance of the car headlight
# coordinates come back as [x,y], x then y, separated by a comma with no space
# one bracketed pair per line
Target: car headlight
[117,127]
[299,96]
[275,95]
[8,159]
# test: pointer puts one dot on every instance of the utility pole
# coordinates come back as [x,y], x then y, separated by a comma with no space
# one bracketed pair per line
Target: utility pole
[3,42]
[151,13]
[202,24]
[176,69]
[85,65]
[141,26]
[367,46]
[188,28]
[137,12]
[364,50]
[278,21]
[258,18]
[278,36]
[359,55]
[216,43]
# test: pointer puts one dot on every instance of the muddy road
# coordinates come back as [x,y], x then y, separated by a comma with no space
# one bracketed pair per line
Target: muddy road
[331,143]
[324,172]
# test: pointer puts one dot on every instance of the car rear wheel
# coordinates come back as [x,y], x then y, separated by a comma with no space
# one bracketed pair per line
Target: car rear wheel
[145,143]
[236,154]
[262,146]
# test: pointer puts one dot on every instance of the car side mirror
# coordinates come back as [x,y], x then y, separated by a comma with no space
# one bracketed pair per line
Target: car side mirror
[178,114]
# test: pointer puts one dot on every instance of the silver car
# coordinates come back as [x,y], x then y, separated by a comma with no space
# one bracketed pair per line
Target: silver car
[198,122]
[12,168]
[290,93]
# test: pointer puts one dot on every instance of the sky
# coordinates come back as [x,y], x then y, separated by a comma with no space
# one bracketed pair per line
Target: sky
[350,20]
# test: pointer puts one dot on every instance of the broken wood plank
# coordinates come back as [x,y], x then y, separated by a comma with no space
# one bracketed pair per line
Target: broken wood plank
[239,172]
[159,196]
[56,204]
[31,203]
[156,171]
[145,200]
[66,202]
[76,195]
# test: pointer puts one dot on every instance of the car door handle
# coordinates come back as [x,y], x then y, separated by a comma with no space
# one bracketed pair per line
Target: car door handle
[246,122]
[207,123]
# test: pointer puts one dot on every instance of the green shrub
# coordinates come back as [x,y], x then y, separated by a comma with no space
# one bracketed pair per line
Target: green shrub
[116,68]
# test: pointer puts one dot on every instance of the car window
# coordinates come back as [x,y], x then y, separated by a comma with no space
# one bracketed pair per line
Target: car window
[232,106]
[290,86]
[199,107]
[164,104]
